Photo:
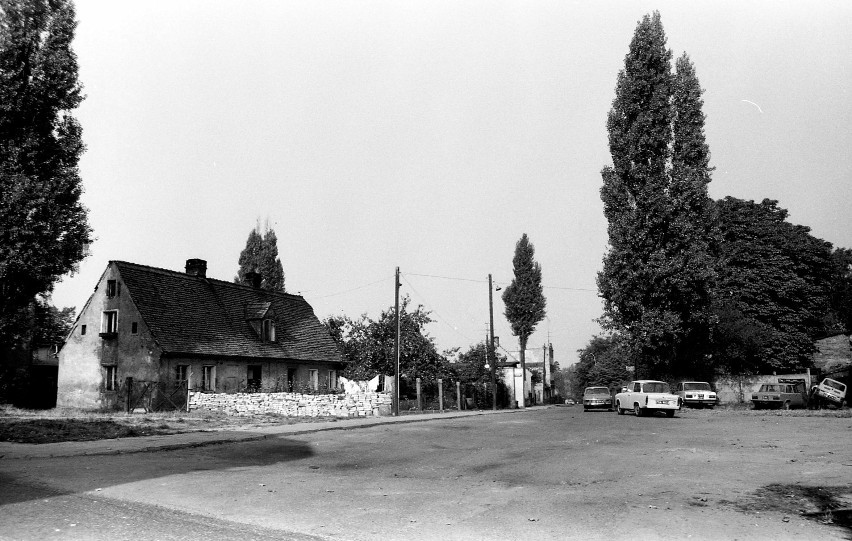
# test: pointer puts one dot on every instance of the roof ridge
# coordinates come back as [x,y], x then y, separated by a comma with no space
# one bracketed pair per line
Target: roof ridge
[184,274]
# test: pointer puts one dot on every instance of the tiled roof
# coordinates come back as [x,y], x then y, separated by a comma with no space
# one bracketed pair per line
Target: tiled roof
[202,316]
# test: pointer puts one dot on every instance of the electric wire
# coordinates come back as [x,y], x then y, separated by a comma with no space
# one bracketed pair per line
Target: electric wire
[431,309]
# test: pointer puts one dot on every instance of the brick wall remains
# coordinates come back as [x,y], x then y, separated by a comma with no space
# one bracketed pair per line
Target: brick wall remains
[294,404]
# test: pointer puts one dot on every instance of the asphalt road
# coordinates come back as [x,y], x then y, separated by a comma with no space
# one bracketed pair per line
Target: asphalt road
[547,474]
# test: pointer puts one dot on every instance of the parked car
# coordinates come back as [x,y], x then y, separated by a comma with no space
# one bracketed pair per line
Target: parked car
[645,397]
[570,402]
[597,398]
[829,392]
[695,394]
[780,395]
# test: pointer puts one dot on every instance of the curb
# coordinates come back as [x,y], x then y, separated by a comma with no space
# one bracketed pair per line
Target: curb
[18,451]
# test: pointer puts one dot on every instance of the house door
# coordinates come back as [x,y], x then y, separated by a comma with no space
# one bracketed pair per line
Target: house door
[253,377]
[291,379]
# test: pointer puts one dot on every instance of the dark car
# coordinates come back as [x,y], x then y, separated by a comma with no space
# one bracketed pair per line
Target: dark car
[780,395]
[597,398]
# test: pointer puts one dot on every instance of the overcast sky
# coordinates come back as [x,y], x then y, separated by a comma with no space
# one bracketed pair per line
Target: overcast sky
[430,135]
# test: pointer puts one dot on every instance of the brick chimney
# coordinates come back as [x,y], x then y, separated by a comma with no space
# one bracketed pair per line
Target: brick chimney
[196,267]
[252,279]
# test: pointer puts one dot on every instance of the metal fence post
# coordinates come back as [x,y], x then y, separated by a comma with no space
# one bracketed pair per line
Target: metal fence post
[458,395]
[441,395]
[419,397]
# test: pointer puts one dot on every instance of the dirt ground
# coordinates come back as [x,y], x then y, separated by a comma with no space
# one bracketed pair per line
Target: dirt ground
[557,473]
[57,425]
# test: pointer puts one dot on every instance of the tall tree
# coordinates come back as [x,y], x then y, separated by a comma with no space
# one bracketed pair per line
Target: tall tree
[261,255]
[774,286]
[44,229]
[658,271]
[524,297]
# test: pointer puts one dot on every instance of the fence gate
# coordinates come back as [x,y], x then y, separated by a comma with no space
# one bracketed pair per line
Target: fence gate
[154,396]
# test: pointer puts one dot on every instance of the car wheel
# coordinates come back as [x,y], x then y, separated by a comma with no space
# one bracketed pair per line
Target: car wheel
[618,409]
[787,405]
[637,410]
[670,413]
[680,402]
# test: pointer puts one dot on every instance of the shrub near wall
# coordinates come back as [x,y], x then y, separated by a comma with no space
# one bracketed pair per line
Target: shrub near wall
[293,404]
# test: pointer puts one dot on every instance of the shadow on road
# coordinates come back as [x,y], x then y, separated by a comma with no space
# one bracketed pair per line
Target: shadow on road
[824,504]
[29,479]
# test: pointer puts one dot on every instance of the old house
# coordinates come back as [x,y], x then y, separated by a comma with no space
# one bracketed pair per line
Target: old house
[177,329]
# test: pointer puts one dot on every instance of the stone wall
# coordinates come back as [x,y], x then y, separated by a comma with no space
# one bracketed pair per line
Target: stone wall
[294,404]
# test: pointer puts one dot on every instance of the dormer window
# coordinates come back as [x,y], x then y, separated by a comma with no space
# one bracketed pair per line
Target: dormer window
[261,317]
[267,330]
[112,288]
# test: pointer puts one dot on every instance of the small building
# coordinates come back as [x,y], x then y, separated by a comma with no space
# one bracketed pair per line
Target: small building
[177,330]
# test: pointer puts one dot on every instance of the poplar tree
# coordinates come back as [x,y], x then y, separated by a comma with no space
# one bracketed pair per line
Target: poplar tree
[44,229]
[524,297]
[657,273]
[261,256]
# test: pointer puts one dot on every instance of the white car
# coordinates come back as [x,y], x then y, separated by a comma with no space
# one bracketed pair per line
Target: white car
[696,394]
[645,397]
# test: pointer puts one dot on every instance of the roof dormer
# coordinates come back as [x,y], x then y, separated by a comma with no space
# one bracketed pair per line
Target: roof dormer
[261,317]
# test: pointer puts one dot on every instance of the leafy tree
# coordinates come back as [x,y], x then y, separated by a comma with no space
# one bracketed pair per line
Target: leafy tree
[368,345]
[51,325]
[601,364]
[524,297]
[44,229]
[839,318]
[261,255]
[470,367]
[774,286]
[658,272]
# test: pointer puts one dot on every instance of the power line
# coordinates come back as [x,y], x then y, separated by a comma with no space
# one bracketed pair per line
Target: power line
[442,318]
[458,279]
[354,288]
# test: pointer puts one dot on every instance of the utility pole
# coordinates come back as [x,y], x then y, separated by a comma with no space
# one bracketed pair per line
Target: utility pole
[489,349]
[396,344]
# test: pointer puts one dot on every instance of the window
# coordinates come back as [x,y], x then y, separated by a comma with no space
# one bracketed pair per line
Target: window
[111,288]
[209,378]
[267,330]
[134,327]
[181,374]
[109,323]
[110,378]
[82,330]
[314,379]
[332,379]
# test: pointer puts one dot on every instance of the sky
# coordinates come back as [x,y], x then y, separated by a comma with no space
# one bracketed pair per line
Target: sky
[429,136]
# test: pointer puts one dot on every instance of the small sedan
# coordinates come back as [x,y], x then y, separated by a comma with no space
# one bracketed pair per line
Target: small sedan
[695,394]
[597,398]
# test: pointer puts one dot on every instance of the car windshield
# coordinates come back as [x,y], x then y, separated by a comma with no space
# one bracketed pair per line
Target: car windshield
[835,385]
[768,388]
[655,387]
[696,386]
[596,391]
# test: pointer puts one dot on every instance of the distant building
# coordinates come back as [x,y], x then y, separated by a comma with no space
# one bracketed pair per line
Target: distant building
[540,360]
[170,330]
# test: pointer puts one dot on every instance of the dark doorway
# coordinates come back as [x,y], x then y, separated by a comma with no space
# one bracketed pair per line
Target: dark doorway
[253,377]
